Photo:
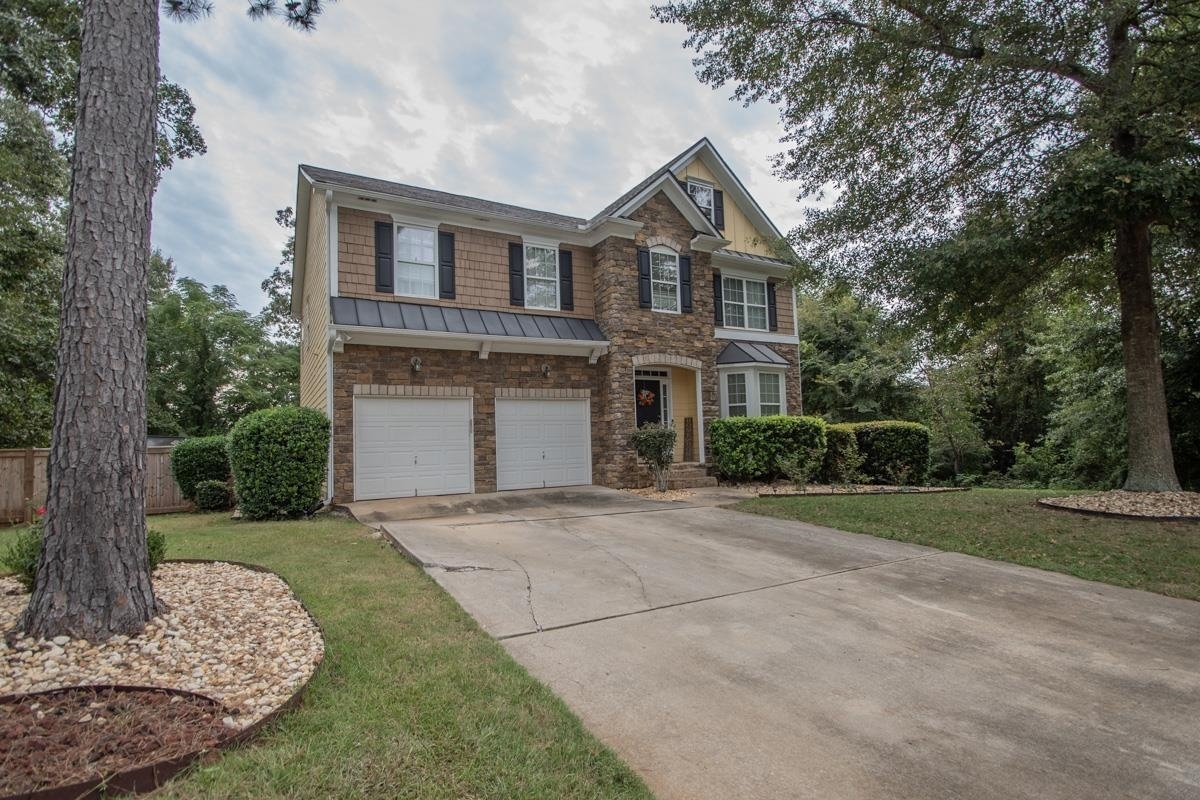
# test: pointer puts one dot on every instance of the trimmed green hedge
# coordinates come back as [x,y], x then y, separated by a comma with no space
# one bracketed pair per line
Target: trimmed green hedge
[278,459]
[214,496]
[843,463]
[894,452]
[200,458]
[748,448]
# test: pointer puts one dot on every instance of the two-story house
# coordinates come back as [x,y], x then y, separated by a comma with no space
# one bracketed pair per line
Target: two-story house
[463,345]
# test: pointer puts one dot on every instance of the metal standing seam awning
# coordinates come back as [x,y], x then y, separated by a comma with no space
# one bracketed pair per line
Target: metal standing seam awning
[750,353]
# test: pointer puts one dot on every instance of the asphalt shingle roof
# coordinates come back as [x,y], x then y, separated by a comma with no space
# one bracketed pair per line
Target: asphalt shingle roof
[363,183]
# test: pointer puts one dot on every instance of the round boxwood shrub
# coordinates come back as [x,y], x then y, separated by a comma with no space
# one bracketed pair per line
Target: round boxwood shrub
[213,496]
[278,459]
[894,452]
[749,448]
[842,459]
[200,458]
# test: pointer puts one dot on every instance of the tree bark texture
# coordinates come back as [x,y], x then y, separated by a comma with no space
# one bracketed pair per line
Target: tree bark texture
[1151,463]
[93,580]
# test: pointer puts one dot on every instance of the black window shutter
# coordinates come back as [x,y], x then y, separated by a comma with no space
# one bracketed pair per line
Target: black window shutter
[643,258]
[566,281]
[446,265]
[718,301]
[516,274]
[772,313]
[685,284]
[719,209]
[385,260]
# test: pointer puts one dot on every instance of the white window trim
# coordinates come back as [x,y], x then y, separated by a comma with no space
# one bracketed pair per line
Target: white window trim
[753,408]
[397,224]
[711,211]
[678,287]
[743,277]
[543,244]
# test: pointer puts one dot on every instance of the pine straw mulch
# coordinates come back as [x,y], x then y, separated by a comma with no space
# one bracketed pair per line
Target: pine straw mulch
[88,734]
[1140,505]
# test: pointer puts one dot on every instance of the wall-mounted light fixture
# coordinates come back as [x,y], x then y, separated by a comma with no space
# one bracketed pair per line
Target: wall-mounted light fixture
[545,370]
[416,363]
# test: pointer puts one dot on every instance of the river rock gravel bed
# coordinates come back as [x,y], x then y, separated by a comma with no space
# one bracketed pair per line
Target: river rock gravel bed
[230,633]
[1160,505]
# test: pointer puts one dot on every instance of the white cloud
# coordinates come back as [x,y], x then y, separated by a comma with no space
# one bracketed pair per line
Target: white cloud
[518,101]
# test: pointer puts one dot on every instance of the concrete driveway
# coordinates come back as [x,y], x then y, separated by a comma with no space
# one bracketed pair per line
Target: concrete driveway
[725,655]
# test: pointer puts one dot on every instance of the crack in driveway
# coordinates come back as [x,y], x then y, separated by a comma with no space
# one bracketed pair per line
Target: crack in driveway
[713,597]
[528,594]
[597,546]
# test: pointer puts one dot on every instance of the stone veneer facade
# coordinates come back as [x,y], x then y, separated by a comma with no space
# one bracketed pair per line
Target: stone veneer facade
[658,338]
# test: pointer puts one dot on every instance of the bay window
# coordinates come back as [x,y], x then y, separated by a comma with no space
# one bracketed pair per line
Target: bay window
[752,392]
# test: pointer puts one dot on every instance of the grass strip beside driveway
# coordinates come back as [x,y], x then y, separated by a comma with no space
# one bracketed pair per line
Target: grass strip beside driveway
[413,700]
[1008,525]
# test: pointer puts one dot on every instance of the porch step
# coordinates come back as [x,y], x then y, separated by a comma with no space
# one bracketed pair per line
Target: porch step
[689,475]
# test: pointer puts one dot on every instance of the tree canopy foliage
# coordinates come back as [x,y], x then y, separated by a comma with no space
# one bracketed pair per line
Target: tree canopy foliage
[973,150]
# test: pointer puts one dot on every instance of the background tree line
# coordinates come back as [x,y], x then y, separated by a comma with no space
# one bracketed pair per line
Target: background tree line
[1037,397]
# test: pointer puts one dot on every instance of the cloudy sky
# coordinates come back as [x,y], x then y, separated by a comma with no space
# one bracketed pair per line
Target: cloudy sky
[520,101]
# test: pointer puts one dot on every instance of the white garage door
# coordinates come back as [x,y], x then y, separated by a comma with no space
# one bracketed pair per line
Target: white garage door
[542,443]
[405,446]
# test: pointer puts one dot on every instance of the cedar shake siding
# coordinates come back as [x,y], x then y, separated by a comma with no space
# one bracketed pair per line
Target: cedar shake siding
[481,273]
[314,326]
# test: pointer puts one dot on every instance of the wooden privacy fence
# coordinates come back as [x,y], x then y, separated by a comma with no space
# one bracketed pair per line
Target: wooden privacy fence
[23,482]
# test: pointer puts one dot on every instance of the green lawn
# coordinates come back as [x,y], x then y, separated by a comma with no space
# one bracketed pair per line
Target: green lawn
[1008,525]
[413,699]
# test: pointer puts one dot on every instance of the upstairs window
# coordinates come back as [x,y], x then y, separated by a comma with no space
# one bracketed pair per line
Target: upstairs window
[541,277]
[745,303]
[416,261]
[702,193]
[664,279]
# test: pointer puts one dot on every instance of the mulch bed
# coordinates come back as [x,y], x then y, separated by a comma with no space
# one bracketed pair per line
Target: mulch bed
[1157,506]
[89,734]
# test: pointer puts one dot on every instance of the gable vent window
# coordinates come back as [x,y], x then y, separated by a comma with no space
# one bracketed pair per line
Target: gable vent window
[702,193]
[541,277]
[416,261]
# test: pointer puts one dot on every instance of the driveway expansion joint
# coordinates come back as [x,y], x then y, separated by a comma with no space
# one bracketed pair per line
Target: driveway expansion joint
[697,600]
[527,520]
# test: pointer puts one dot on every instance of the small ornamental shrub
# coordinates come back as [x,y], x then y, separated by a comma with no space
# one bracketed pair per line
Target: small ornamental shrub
[800,466]
[842,459]
[749,448]
[278,459]
[894,452]
[21,557]
[156,547]
[201,458]
[655,444]
[213,496]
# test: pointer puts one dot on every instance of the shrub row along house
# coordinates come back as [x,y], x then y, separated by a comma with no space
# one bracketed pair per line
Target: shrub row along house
[462,345]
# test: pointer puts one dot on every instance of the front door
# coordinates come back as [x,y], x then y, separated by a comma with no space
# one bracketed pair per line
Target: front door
[648,399]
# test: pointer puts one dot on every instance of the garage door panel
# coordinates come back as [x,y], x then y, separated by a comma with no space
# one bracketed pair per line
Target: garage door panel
[542,443]
[411,446]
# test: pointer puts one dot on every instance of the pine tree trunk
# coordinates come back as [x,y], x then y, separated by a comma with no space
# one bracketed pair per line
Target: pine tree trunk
[93,580]
[1151,464]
